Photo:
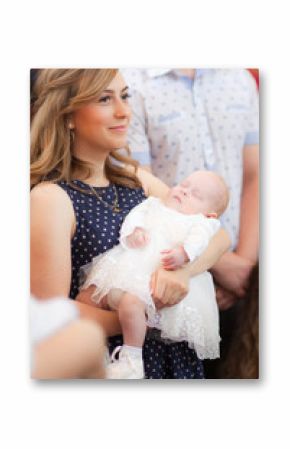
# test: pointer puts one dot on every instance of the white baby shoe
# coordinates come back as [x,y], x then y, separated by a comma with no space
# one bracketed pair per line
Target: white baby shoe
[127,366]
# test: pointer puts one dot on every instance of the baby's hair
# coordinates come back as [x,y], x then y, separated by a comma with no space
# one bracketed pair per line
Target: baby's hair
[222,202]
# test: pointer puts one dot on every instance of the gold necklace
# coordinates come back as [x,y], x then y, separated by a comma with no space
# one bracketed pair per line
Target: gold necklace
[115,206]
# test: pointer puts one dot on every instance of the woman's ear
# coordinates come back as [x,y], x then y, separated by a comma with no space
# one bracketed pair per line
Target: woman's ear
[212,215]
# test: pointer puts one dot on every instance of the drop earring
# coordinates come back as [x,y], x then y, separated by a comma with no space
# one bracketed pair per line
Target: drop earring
[71,132]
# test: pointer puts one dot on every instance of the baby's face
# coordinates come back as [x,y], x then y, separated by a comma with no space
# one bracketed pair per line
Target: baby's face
[195,195]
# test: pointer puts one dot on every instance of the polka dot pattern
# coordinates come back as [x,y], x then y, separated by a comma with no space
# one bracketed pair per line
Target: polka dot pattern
[97,226]
[167,360]
[97,230]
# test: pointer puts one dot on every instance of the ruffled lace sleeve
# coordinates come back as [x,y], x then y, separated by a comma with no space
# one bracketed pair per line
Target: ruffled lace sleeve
[201,231]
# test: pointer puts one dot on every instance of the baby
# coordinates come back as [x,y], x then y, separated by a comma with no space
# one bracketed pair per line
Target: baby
[169,233]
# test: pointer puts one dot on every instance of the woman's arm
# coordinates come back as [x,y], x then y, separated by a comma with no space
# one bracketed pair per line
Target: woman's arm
[52,227]
[152,186]
[170,287]
[51,221]
[218,245]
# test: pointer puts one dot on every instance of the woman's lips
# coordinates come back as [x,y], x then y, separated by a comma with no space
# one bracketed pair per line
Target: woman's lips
[119,129]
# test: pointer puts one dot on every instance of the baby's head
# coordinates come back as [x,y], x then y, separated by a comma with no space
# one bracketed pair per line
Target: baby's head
[203,192]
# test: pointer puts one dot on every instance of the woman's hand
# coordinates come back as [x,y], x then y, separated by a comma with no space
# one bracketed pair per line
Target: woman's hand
[169,287]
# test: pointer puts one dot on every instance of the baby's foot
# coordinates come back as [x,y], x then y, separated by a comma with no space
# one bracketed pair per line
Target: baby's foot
[127,366]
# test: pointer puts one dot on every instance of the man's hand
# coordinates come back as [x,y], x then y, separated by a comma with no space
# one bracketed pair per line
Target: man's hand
[138,239]
[225,299]
[169,287]
[232,273]
[174,258]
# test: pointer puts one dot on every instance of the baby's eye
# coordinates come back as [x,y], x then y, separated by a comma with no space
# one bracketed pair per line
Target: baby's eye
[196,194]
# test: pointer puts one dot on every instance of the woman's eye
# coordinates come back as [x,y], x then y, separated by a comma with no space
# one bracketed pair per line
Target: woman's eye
[104,99]
[126,96]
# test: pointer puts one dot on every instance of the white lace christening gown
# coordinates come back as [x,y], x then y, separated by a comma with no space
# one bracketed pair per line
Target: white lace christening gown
[195,319]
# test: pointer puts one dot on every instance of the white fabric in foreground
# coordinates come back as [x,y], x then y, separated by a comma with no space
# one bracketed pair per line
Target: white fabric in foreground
[47,316]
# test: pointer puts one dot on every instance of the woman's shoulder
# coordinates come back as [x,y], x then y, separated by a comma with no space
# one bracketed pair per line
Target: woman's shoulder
[48,196]
[48,190]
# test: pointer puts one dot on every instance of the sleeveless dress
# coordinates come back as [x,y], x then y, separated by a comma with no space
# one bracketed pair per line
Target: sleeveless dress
[97,230]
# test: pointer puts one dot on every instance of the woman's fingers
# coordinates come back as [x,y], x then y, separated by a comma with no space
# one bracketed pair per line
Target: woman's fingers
[168,288]
[158,290]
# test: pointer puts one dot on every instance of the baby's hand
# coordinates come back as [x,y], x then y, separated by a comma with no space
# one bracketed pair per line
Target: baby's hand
[174,258]
[138,239]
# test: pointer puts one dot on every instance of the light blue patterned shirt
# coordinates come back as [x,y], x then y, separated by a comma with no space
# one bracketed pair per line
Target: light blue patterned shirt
[180,125]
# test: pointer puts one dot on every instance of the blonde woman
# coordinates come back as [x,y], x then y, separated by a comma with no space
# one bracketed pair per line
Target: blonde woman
[82,189]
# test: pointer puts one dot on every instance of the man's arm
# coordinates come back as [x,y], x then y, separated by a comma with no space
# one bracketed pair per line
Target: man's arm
[233,270]
[248,244]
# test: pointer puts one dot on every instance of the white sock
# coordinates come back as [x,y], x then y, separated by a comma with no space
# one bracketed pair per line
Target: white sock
[134,351]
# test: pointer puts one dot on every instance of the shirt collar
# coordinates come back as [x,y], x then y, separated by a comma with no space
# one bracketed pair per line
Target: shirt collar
[153,73]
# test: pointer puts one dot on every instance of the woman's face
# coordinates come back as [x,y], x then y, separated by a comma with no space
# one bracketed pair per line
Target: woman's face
[104,122]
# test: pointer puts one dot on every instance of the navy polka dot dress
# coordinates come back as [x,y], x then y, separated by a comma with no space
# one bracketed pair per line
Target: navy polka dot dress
[97,230]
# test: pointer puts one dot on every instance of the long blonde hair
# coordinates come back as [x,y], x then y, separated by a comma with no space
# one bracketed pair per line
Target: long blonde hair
[58,93]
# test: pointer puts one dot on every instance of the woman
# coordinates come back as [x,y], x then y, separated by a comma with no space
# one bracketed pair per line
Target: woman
[83,188]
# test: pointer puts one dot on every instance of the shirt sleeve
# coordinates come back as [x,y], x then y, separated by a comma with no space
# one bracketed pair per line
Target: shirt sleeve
[135,218]
[252,125]
[199,236]
[137,134]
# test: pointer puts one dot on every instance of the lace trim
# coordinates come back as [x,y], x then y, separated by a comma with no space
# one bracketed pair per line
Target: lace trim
[189,327]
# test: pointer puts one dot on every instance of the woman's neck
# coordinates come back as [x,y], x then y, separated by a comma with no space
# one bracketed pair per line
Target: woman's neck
[96,158]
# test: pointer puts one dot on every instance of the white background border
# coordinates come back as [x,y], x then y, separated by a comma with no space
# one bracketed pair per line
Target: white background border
[80,414]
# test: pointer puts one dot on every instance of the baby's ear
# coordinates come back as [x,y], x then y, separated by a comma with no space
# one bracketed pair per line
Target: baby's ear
[212,215]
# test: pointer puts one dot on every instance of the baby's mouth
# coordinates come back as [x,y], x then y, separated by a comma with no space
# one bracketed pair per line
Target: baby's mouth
[175,197]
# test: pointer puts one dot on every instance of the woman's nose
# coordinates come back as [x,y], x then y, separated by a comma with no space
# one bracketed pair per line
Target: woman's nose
[122,109]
